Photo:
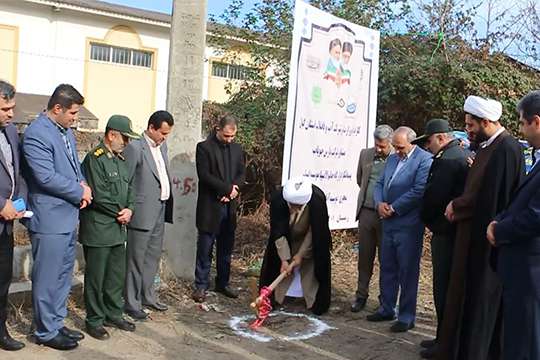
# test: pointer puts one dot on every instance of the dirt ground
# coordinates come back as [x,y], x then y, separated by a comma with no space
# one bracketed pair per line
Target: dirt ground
[191,331]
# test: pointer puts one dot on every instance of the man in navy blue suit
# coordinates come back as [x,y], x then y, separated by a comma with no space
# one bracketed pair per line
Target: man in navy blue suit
[56,191]
[516,234]
[398,197]
[12,186]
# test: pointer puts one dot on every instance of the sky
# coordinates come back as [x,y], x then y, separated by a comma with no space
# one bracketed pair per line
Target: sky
[215,7]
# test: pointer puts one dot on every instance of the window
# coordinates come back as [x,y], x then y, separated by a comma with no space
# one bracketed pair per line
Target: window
[219,69]
[100,52]
[120,55]
[235,72]
[142,58]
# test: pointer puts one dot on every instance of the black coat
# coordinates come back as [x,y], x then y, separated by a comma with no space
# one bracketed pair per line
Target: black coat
[445,182]
[471,327]
[213,185]
[321,244]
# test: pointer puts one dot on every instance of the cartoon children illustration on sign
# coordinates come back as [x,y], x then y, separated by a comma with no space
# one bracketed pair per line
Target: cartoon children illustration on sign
[333,68]
[338,71]
[346,54]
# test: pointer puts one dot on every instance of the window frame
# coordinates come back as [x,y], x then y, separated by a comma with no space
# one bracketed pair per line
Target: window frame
[139,58]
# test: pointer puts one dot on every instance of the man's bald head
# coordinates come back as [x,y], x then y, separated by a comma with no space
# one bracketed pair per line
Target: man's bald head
[403,136]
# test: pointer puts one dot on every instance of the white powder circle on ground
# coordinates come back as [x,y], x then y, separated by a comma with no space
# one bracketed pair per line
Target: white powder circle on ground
[240,326]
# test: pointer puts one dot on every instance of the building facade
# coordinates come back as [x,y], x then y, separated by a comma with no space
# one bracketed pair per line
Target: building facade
[116,56]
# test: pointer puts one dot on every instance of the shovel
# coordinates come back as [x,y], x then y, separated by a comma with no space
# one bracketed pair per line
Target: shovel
[263,305]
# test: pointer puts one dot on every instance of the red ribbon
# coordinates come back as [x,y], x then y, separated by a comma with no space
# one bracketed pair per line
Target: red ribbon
[264,307]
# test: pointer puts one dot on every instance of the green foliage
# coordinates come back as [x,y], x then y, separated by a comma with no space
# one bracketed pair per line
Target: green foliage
[425,73]
[414,88]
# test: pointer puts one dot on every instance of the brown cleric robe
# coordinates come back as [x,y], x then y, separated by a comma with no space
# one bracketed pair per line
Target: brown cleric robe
[300,230]
[314,240]
[471,327]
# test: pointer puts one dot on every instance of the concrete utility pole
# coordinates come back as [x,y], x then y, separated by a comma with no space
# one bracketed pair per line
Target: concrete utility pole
[184,102]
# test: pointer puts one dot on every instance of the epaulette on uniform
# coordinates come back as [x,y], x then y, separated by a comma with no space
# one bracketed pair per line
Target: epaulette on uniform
[99,152]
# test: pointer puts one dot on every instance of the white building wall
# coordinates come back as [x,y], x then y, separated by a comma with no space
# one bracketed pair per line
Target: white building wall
[52,46]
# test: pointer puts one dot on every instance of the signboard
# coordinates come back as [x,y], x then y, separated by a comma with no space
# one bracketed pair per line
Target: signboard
[332,104]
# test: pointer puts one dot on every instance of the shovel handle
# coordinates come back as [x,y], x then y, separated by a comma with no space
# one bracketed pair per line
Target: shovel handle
[275,283]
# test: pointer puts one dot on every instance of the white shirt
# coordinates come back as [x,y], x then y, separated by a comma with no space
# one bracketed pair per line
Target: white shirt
[5,147]
[537,157]
[162,169]
[401,163]
[488,142]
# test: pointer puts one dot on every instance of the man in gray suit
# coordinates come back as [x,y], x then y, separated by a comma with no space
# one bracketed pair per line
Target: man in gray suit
[370,168]
[12,186]
[148,162]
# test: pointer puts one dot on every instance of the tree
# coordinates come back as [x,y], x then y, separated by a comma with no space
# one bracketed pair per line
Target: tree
[425,72]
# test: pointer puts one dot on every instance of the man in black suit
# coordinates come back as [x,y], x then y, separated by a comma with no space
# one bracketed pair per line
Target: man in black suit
[221,171]
[12,187]
[516,234]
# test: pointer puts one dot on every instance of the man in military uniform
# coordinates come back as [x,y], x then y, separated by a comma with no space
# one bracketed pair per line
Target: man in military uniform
[445,183]
[103,229]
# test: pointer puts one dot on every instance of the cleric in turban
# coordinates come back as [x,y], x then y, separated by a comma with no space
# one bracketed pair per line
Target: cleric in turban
[299,233]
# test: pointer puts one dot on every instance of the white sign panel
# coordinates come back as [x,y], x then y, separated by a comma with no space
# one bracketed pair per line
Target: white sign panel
[332,105]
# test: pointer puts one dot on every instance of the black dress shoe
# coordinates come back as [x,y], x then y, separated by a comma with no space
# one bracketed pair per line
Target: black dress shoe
[199,295]
[157,306]
[72,334]
[358,305]
[429,353]
[401,327]
[10,344]
[227,291]
[97,332]
[59,342]
[378,317]
[121,324]
[138,315]
[428,343]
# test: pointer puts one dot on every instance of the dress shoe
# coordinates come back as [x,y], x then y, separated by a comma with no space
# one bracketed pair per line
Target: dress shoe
[121,324]
[399,327]
[72,334]
[378,317]
[138,315]
[157,306]
[59,342]
[429,353]
[227,291]
[10,344]
[358,305]
[199,295]
[97,332]
[428,343]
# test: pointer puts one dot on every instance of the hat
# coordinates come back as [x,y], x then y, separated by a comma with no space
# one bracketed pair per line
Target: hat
[297,191]
[433,126]
[122,124]
[483,108]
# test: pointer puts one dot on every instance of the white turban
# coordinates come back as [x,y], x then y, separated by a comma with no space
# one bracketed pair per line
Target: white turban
[483,108]
[297,191]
